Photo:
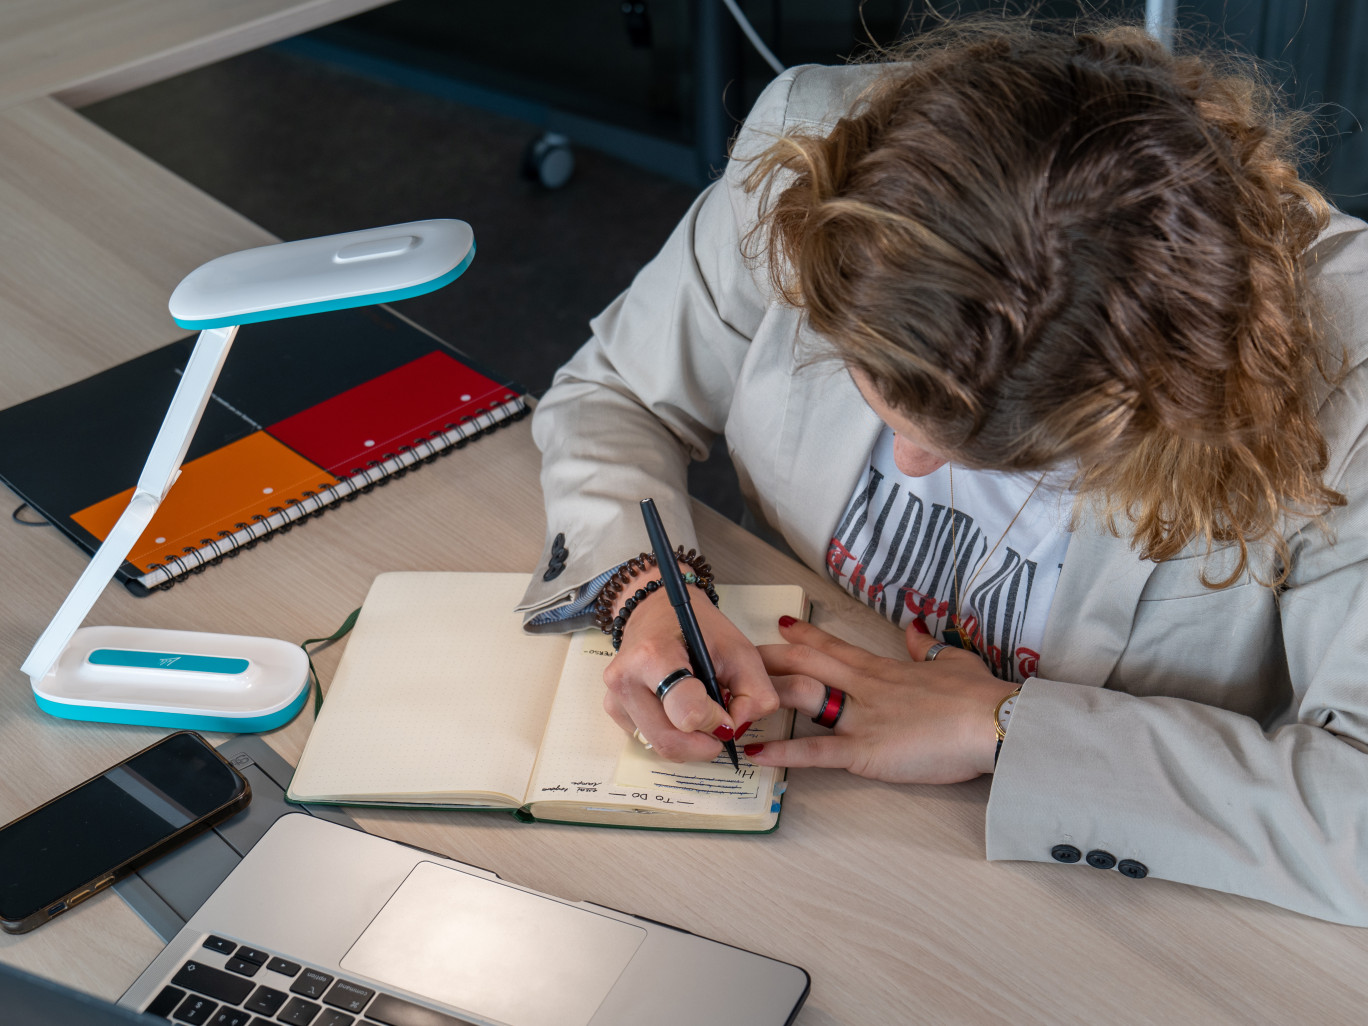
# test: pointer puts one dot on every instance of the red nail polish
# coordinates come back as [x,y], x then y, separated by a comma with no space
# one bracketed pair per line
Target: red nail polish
[726,698]
[920,626]
[741,730]
[786,621]
[724,733]
[754,750]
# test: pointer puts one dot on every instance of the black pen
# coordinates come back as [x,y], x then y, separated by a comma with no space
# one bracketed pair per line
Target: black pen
[688,623]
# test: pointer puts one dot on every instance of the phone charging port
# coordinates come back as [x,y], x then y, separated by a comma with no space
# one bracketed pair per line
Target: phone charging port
[59,907]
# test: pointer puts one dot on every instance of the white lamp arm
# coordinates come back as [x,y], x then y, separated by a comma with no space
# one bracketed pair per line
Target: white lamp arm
[187,407]
[159,473]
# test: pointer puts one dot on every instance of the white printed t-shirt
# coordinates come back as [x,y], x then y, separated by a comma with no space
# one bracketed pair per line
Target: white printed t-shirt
[900,545]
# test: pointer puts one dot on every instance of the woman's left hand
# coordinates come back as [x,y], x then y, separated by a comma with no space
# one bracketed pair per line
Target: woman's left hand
[904,722]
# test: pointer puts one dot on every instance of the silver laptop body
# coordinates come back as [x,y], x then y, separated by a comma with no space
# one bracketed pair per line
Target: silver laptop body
[379,932]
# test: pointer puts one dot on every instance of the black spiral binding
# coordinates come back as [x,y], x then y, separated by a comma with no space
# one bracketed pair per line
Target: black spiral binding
[174,561]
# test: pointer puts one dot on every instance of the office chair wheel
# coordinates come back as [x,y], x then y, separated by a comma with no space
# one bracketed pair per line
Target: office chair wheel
[549,160]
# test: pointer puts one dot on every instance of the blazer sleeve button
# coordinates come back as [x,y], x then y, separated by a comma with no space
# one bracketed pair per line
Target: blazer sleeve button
[1065,853]
[1099,859]
[1131,868]
[553,570]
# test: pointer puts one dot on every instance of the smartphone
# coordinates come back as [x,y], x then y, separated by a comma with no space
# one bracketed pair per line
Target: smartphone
[58,855]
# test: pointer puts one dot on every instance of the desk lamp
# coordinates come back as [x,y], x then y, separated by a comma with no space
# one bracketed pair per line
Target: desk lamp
[222,682]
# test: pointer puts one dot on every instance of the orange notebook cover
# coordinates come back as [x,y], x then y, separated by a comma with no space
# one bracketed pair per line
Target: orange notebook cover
[221,492]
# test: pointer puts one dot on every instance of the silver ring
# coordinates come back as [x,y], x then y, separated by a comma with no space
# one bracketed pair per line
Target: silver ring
[934,651]
[671,679]
[642,738]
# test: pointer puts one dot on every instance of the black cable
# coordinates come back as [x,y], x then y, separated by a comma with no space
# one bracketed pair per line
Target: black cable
[27,523]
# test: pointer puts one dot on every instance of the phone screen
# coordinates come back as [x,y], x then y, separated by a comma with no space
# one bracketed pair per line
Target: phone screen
[109,820]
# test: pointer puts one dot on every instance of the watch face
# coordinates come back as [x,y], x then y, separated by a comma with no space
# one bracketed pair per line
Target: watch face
[1005,714]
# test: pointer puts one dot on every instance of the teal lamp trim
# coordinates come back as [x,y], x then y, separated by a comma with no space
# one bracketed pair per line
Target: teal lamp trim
[179,721]
[346,303]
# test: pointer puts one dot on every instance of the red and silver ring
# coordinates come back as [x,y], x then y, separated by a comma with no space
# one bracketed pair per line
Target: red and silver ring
[833,704]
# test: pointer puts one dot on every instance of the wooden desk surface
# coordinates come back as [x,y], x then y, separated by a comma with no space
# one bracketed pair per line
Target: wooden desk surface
[880,891]
[85,50]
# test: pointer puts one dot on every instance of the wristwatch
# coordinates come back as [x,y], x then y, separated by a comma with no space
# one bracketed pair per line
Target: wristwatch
[1002,716]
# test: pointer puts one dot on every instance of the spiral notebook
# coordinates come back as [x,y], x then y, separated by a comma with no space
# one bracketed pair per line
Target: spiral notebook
[307,413]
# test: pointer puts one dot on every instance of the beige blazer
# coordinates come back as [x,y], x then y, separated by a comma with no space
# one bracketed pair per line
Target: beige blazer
[1211,737]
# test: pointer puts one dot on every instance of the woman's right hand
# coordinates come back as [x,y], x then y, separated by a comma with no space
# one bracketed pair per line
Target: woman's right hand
[688,726]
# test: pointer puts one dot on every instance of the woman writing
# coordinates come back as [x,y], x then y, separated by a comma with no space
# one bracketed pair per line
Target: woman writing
[1036,343]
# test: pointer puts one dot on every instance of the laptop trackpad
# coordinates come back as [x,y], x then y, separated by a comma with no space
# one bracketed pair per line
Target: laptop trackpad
[491,949]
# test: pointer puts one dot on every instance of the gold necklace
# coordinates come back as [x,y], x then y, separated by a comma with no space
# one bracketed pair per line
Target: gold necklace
[954,634]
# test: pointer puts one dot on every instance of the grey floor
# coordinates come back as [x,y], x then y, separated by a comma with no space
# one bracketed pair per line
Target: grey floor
[305,149]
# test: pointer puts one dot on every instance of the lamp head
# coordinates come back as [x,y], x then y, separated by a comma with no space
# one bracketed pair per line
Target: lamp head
[378,265]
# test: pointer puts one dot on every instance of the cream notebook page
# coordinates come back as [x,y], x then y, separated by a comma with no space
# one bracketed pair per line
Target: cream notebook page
[586,757]
[439,691]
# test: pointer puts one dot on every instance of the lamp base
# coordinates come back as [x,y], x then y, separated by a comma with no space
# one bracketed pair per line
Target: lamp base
[227,683]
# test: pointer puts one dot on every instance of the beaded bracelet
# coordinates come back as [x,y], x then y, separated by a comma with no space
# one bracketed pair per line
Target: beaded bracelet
[699,573]
[607,597]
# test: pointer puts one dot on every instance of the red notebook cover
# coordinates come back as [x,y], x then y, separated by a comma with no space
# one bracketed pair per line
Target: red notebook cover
[393,411]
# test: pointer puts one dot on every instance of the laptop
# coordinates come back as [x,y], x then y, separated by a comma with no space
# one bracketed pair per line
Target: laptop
[323,925]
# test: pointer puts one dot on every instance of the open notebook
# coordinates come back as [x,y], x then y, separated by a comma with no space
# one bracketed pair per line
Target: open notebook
[442,699]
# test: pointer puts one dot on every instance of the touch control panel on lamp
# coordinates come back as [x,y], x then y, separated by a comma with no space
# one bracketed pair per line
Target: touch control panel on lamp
[189,679]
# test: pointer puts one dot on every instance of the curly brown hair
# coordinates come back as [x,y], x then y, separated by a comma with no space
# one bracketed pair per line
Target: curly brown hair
[1050,246]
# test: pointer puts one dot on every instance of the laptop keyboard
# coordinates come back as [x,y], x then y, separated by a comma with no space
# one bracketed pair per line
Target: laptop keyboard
[238,985]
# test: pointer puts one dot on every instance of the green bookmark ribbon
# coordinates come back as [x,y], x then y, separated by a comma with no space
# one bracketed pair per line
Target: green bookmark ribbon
[336,635]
